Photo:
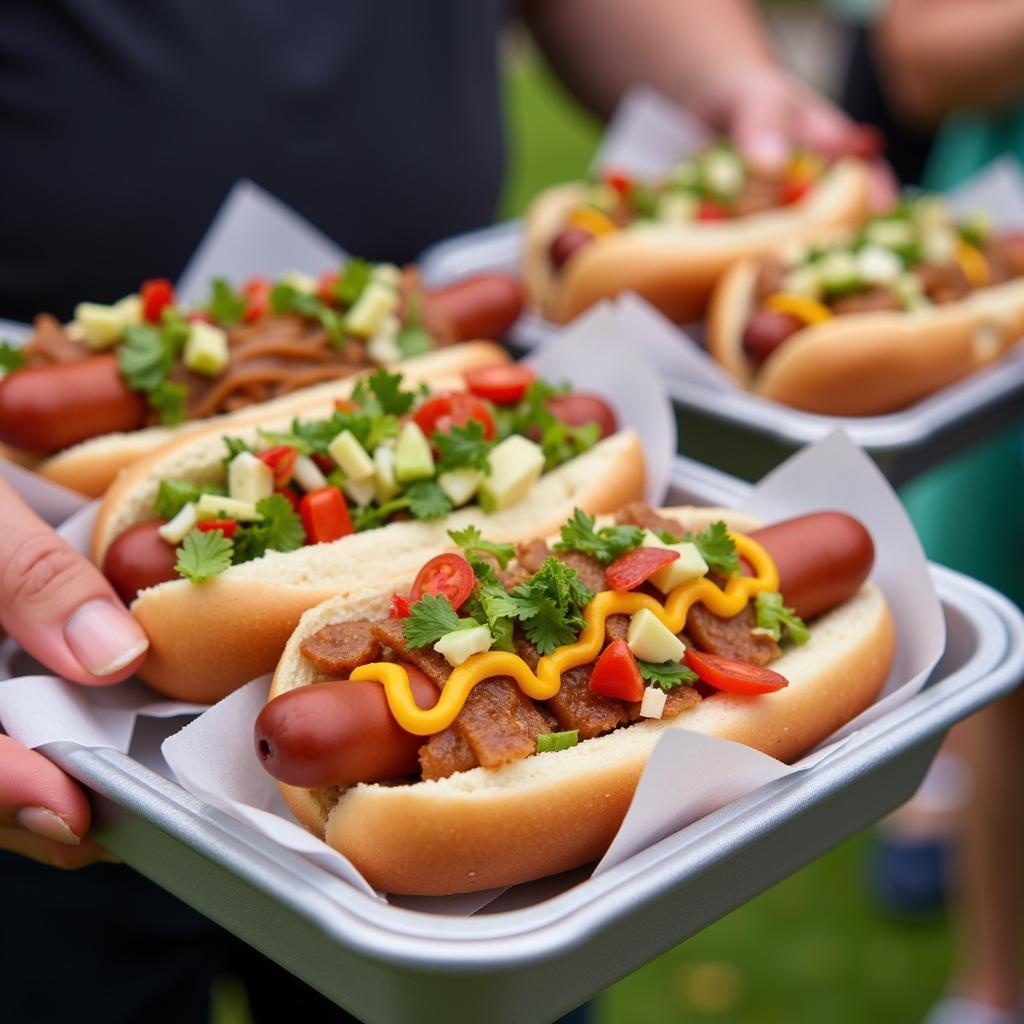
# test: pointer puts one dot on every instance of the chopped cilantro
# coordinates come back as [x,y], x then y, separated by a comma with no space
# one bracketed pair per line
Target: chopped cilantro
[431,618]
[235,446]
[777,619]
[668,675]
[414,341]
[492,604]
[386,388]
[167,400]
[371,516]
[717,548]
[143,358]
[350,284]
[226,306]
[550,605]
[427,500]
[286,298]
[203,555]
[173,495]
[279,530]
[667,536]
[548,742]
[470,540]
[11,357]
[462,447]
[605,544]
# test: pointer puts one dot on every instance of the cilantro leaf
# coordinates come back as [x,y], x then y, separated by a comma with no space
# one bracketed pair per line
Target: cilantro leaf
[203,555]
[279,530]
[491,604]
[776,618]
[143,359]
[471,540]
[427,500]
[717,548]
[235,446]
[355,277]
[387,390]
[286,298]
[668,675]
[414,341]
[167,400]
[430,618]
[225,306]
[560,442]
[462,447]
[550,605]
[173,495]
[667,536]
[605,544]
[11,357]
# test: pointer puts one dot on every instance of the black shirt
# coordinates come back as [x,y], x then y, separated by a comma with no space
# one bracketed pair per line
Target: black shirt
[123,123]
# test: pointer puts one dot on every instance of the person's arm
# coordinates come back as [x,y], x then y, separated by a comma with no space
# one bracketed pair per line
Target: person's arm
[936,55]
[61,610]
[713,58]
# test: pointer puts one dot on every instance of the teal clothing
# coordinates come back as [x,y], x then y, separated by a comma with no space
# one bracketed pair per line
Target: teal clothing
[970,511]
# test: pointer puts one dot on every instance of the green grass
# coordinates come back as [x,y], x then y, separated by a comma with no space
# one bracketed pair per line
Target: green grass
[810,950]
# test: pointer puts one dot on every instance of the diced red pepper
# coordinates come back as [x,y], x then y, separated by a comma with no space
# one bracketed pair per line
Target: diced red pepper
[324,462]
[325,515]
[289,494]
[616,674]
[710,210]
[226,526]
[628,571]
[619,181]
[281,460]
[793,190]
[325,287]
[733,676]
[257,298]
[156,294]
[400,607]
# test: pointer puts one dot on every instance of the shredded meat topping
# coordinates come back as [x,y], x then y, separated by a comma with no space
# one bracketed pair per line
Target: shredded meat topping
[342,646]
[730,638]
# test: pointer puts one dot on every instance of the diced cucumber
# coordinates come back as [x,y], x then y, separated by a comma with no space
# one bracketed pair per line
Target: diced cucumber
[650,640]
[413,457]
[460,484]
[516,465]
[377,301]
[216,506]
[461,644]
[206,349]
[351,456]
[249,478]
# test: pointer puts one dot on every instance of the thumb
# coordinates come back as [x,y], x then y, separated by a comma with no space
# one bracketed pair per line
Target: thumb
[58,606]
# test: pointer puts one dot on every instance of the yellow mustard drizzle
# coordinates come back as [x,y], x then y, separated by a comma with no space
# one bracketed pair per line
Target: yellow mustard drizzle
[548,679]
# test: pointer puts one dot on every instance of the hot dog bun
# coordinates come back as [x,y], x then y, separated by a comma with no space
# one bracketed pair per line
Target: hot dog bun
[551,812]
[865,364]
[90,466]
[674,267]
[208,639]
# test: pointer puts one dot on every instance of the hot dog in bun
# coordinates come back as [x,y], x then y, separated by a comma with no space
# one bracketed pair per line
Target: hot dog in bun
[866,322]
[80,401]
[669,241]
[489,725]
[220,542]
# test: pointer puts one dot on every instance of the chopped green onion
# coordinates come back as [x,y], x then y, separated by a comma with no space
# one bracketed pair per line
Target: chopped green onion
[551,741]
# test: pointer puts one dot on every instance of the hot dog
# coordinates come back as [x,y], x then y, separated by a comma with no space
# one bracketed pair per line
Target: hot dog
[865,323]
[487,804]
[229,538]
[670,240]
[170,366]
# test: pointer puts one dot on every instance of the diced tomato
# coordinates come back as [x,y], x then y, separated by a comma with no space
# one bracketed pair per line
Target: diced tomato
[442,412]
[619,181]
[290,495]
[794,189]
[257,298]
[156,294]
[503,385]
[226,526]
[616,674]
[325,287]
[324,462]
[400,607]
[448,574]
[710,210]
[281,460]
[325,515]
[628,571]
[733,676]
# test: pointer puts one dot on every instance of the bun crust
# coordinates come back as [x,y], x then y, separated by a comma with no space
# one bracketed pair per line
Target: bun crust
[866,364]
[208,639]
[674,267]
[551,812]
[91,466]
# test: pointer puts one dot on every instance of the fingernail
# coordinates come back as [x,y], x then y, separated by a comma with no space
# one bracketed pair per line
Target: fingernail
[104,638]
[43,822]
[767,151]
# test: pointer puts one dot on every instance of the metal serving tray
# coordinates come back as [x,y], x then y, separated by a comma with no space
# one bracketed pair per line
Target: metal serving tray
[747,435]
[541,949]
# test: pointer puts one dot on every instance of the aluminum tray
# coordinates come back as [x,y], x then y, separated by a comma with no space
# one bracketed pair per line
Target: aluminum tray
[541,949]
[748,436]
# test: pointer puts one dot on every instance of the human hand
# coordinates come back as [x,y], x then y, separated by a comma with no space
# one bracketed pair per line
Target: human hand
[768,112]
[61,610]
